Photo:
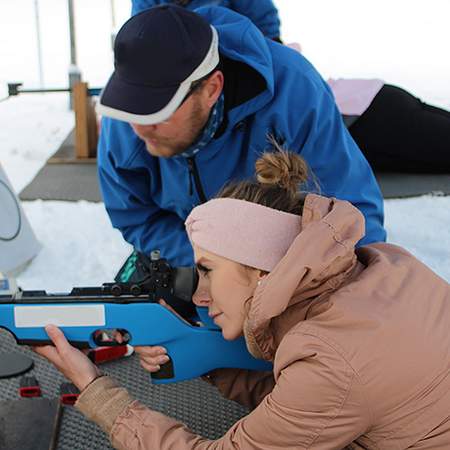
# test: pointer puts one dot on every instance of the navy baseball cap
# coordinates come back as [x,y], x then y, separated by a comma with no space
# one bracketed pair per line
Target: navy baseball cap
[157,55]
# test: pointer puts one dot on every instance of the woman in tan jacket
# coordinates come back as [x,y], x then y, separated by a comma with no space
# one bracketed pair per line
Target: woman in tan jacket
[359,339]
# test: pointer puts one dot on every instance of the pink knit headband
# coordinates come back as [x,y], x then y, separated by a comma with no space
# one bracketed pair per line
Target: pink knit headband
[245,232]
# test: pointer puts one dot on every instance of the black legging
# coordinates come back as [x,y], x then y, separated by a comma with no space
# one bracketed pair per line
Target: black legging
[400,133]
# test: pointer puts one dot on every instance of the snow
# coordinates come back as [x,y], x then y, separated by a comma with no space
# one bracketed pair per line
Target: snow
[404,42]
[33,128]
[421,225]
[80,248]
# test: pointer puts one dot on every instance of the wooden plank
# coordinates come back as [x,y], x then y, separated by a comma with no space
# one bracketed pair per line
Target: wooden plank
[92,128]
[81,120]
[86,134]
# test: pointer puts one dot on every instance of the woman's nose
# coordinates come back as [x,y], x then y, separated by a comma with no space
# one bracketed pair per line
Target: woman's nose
[201,298]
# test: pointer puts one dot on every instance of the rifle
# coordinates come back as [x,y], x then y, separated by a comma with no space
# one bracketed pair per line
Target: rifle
[194,344]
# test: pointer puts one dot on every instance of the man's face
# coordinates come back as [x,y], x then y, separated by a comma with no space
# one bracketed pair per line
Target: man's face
[176,134]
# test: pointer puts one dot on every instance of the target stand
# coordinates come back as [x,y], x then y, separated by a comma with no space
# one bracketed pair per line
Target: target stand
[18,244]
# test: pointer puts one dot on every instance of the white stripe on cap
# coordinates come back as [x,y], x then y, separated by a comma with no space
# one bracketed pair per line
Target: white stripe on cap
[210,61]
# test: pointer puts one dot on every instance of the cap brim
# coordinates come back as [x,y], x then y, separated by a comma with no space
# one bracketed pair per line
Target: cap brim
[139,104]
[146,105]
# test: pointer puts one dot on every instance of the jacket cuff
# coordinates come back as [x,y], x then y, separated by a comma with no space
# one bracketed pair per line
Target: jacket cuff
[103,401]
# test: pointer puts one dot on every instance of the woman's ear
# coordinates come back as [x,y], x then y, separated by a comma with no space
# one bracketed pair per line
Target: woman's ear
[261,275]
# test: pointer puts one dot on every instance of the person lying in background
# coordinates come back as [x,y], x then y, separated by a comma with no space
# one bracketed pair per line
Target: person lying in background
[396,131]
[358,337]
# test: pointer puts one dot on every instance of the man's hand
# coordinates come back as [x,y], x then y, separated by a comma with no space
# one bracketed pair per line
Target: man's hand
[71,362]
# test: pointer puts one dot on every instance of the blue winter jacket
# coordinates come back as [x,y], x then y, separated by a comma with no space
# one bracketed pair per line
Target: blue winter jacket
[261,12]
[271,90]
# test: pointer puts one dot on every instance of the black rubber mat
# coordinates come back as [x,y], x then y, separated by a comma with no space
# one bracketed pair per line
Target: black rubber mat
[401,185]
[73,182]
[194,402]
[64,177]
[29,423]
[66,182]
[66,151]
[14,364]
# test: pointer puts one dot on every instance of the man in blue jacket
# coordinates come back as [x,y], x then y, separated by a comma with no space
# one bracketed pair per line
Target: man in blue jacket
[262,13]
[190,106]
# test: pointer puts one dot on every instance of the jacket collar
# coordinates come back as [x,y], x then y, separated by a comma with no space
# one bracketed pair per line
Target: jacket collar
[320,260]
[246,60]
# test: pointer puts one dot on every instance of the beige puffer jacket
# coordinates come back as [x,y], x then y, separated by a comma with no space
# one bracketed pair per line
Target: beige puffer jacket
[360,345]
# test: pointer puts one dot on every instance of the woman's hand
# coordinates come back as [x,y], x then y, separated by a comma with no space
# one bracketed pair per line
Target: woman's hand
[71,362]
[152,358]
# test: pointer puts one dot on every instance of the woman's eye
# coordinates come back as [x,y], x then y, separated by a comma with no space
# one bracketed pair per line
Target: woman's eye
[203,270]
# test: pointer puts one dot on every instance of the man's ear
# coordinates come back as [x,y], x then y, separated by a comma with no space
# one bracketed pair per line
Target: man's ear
[213,87]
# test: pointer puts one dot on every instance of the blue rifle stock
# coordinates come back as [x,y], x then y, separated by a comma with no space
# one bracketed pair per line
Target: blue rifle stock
[193,350]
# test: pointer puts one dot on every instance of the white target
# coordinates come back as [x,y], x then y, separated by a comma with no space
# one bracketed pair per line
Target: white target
[10,217]
[18,244]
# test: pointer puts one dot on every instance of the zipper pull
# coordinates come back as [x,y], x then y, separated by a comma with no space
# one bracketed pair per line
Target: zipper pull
[190,167]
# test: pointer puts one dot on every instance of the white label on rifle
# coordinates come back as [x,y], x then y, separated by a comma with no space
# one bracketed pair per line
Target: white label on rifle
[62,316]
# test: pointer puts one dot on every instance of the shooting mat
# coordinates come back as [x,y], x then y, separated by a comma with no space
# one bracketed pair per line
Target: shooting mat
[194,402]
[14,364]
[29,423]
[65,182]
[65,178]
[401,185]
[78,181]
[73,182]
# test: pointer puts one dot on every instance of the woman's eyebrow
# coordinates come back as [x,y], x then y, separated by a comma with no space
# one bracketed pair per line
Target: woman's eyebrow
[202,260]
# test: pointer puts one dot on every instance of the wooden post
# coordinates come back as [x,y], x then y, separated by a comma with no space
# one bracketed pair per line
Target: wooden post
[86,134]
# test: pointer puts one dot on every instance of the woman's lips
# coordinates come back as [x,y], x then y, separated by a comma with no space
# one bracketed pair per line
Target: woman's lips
[214,315]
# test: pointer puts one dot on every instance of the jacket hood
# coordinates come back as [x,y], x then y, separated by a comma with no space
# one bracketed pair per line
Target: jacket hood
[242,42]
[318,262]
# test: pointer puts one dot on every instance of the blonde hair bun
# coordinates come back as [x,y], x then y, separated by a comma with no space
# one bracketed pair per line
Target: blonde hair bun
[282,168]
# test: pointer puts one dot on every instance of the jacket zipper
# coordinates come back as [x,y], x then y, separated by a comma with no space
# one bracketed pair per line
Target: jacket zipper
[193,173]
